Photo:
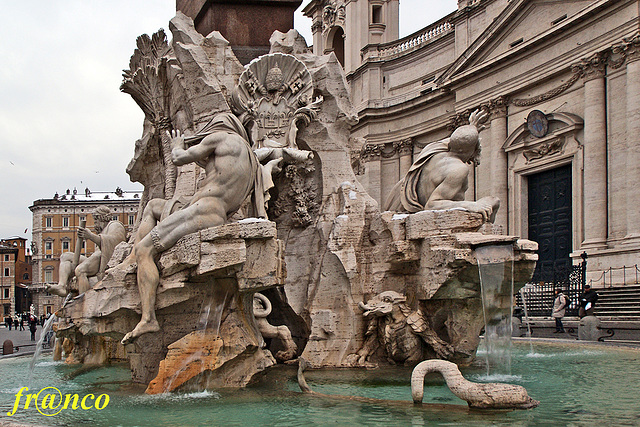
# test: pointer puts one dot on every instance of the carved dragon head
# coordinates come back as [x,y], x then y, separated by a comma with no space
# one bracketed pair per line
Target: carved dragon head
[383,304]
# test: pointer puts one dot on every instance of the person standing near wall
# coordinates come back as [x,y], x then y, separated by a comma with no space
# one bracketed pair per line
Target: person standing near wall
[587,302]
[560,305]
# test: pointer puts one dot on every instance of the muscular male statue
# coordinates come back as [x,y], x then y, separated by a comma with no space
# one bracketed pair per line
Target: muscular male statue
[232,174]
[439,177]
[110,233]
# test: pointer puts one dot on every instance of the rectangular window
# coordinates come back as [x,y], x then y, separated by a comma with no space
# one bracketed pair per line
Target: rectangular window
[84,244]
[48,246]
[6,257]
[48,256]
[376,14]
[48,276]
[6,293]
[48,222]
[83,218]
[65,221]
[6,272]
[114,218]
[132,219]
[65,246]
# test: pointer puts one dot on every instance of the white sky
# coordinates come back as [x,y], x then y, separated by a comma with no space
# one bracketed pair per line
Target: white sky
[63,121]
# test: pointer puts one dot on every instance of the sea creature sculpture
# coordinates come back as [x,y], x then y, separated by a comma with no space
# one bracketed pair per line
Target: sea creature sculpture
[477,395]
[399,329]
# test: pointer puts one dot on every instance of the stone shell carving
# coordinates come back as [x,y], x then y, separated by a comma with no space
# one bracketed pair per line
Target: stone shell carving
[273,93]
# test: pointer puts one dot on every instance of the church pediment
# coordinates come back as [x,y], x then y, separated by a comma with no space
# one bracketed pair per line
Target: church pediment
[521,26]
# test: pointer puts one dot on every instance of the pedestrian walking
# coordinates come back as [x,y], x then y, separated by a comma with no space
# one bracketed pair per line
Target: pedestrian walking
[560,304]
[21,323]
[33,326]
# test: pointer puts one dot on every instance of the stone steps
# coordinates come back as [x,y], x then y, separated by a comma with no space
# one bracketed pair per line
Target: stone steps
[621,302]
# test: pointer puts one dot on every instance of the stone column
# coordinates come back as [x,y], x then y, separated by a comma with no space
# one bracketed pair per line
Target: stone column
[372,155]
[405,151]
[499,177]
[595,153]
[389,170]
[632,52]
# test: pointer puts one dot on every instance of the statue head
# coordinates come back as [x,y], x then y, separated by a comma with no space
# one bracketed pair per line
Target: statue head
[465,144]
[101,217]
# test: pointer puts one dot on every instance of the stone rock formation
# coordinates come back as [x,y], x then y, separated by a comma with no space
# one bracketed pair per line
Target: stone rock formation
[339,249]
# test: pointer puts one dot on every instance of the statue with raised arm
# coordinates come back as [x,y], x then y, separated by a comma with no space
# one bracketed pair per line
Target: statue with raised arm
[439,176]
[232,174]
[109,234]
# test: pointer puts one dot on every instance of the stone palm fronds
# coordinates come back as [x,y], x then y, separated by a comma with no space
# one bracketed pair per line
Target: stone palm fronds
[147,83]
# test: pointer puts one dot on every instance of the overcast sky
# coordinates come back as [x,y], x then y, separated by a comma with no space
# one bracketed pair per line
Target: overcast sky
[64,123]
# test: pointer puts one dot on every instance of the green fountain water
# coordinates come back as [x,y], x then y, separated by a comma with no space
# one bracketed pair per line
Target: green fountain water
[576,384]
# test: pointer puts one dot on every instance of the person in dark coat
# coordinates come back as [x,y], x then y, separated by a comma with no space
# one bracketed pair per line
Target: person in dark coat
[33,326]
[587,302]
[8,322]
[21,323]
[15,324]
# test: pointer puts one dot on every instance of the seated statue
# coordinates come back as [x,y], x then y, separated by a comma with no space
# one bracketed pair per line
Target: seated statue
[110,233]
[232,174]
[439,177]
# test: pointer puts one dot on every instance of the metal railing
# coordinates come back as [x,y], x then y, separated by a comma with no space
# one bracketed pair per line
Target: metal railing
[629,275]
[540,294]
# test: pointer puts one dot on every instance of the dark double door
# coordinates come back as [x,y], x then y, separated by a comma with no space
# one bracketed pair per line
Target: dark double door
[550,223]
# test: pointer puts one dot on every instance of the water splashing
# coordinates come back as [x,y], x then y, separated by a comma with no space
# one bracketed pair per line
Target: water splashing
[526,317]
[495,264]
[43,336]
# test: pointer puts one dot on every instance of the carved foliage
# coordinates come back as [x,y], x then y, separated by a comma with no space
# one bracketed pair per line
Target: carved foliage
[298,195]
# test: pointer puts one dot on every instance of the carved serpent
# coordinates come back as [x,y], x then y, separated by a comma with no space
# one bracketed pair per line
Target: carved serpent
[477,395]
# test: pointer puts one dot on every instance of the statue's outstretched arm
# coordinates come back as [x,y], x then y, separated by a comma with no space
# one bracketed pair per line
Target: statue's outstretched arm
[181,156]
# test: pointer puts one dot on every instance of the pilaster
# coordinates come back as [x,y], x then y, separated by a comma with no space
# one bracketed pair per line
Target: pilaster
[499,170]
[595,151]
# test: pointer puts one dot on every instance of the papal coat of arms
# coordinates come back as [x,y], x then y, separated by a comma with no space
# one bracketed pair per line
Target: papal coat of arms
[272,98]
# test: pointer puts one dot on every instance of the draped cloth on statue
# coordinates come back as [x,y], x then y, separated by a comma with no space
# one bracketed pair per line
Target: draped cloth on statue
[404,195]
[259,186]
[110,236]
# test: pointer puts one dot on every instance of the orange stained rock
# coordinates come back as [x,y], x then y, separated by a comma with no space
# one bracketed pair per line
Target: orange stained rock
[188,357]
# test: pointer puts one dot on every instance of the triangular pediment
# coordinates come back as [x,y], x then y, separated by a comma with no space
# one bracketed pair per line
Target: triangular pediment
[520,26]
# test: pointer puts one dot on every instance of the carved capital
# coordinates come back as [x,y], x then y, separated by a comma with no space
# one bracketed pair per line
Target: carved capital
[628,50]
[371,152]
[458,120]
[498,107]
[316,27]
[404,147]
[593,67]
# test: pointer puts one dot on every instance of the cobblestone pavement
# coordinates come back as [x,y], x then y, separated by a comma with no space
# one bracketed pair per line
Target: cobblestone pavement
[20,339]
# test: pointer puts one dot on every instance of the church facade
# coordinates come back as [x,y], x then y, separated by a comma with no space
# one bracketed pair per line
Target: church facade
[561,82]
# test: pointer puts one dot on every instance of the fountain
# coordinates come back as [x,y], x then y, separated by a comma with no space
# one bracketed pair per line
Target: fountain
[292,258]
[495,263]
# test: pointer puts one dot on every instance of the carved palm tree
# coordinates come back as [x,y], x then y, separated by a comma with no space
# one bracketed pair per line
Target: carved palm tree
[146,81]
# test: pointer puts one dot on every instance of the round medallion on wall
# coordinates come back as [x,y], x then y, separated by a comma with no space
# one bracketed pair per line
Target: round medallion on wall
[537,123]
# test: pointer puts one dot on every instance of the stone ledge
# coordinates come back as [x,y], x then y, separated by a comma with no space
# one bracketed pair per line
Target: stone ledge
[424,224]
